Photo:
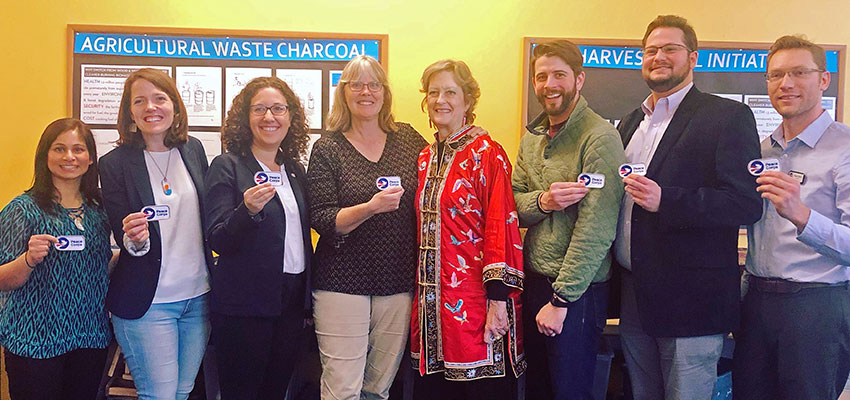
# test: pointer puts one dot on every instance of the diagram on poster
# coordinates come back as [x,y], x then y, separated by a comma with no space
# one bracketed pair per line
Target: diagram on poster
[104,140]
[211,142]
[101,87]
[334,83]
[200,88]
[307,85]
[731,96]
[236,79]
[313,137]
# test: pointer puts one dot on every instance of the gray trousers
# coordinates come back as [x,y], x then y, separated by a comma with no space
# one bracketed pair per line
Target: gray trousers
[672,368]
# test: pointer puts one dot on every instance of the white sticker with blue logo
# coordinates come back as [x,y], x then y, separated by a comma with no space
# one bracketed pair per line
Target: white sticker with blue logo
[760,165]
[275,178]
[632,169]
[156,213]
[592,181]
[70,243]
[386,182]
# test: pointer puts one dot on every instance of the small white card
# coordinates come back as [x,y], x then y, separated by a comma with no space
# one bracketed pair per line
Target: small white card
[592,181]
[629,169]
[760,165]
[385,182]
[156,213]
[70,243]
[275,178]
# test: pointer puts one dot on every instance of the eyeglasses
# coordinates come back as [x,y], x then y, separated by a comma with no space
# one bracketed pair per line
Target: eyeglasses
[667,49]
[276,109]
[796,73]
[358,86]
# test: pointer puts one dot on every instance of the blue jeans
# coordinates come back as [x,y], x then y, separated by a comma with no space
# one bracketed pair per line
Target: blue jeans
[164,347]
[562,367]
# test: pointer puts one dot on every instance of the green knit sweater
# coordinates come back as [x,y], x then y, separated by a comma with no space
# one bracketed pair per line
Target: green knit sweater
[572,246]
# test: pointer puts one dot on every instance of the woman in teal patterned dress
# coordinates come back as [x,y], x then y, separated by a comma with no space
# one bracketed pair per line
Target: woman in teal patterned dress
[54,255]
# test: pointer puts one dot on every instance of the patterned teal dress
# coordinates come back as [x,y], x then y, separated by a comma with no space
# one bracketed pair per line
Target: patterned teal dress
[61,306]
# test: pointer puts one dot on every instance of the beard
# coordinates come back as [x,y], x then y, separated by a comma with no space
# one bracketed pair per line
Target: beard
[664,85]
[555,110]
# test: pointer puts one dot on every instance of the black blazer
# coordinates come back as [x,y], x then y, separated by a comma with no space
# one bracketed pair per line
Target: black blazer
[126,189]
[248,278]
[684,257]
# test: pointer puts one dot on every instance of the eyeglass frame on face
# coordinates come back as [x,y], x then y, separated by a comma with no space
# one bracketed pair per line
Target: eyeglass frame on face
[667,49]
[794,73]
[254,109]
[357,86]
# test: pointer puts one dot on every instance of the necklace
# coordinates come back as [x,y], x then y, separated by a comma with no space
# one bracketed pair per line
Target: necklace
[77,214]
[166,187]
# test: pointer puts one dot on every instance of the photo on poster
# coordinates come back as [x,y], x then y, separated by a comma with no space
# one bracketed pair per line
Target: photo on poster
[211,142]
[828,104]
[307,85]
[200,88]
[334,77]
[104,140]
[101,87]
[236,79]
[767,119]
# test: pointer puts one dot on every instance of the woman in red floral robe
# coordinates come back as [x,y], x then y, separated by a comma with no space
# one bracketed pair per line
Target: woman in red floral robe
[464,324]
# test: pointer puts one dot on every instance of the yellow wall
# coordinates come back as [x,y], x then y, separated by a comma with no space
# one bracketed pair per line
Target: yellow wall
[486,34]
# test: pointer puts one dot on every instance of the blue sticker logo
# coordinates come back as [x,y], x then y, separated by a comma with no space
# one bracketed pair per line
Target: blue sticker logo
[63,243]
[261,178]
[625,170]
[383,183]
[150,213]
[756,167]
[584,179]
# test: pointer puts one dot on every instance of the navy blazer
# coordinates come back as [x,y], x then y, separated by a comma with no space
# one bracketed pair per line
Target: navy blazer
[247,280]
[126,188]
[684,257]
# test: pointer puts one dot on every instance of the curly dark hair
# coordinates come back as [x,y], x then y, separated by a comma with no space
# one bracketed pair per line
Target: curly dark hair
[42,189]
[236,132]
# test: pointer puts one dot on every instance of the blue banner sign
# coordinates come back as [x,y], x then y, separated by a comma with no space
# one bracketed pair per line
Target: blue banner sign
[224,48]
[709,60]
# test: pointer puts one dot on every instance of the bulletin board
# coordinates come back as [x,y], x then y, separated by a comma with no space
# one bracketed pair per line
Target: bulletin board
[614,87]
[210,67]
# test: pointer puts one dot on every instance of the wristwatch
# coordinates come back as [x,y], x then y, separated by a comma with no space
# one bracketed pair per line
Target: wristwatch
[557,301]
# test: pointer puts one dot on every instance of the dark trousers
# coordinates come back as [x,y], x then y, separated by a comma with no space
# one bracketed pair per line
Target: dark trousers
[73,375]
[562,367]
[256,355]
[793,345]
[436,387]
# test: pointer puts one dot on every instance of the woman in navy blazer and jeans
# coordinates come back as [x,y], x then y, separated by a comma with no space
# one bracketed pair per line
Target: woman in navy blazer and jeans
[157,293]
[261,232]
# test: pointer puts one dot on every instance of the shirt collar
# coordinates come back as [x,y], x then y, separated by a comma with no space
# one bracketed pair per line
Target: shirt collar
[810,136]
[672,100]
[454,138]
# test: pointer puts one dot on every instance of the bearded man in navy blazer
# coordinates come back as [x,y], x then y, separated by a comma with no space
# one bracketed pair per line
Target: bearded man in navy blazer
[678,228]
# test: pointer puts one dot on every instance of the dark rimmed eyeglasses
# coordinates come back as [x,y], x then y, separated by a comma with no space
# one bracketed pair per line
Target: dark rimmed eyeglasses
[276,109]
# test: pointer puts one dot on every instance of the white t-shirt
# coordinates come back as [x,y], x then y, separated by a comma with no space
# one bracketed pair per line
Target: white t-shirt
[183,273]
[293,248]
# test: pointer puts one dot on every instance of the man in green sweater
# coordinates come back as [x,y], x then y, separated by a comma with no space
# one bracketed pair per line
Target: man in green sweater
[570,226]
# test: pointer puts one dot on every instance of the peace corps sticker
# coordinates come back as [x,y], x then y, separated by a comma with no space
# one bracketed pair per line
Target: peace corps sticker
[385,182]
[629,169]
[592,181]
[70,243]
[760,165]
[275,178]
[156,213]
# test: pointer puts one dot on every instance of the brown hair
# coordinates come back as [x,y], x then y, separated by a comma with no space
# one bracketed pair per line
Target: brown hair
[563,49]
[339,117]
[462,75]
[798,42]
[42,189]
[236,132]
[177,134]
[673,21]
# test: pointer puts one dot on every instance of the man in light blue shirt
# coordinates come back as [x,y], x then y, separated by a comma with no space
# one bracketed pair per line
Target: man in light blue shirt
[794,341]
